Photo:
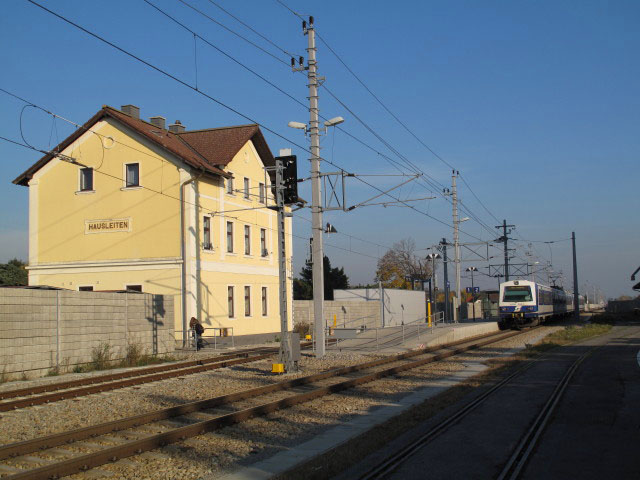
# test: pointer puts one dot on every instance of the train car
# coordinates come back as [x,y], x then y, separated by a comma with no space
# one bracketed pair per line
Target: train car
[527,303]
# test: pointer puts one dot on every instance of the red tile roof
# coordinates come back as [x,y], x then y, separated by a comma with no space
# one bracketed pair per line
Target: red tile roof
[206,150]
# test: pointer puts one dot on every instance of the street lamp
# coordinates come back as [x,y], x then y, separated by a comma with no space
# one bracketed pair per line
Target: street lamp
[473,294]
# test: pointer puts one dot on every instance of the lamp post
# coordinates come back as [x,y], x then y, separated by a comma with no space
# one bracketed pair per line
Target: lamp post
[317,252]
[473,294]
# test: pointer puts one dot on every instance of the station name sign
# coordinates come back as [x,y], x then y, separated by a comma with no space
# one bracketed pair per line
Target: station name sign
[107,226]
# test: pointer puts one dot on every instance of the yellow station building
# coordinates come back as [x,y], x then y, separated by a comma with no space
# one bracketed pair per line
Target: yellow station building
[130,204]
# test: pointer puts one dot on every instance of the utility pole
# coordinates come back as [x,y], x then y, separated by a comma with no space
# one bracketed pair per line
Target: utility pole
[504,239]
[576,301]
[445,272]
[317,251]
[456,243]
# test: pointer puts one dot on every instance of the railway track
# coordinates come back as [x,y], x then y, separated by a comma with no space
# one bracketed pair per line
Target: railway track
[40,394]
[522,452]
[69,452]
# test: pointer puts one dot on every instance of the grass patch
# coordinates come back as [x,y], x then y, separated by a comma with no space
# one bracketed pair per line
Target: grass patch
[134,356]
[53,372]
[575,334]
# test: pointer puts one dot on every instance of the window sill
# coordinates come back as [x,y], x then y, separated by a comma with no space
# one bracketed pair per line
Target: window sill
[85,192]
[248,255]
[137,187]
[232,254]
[208,250]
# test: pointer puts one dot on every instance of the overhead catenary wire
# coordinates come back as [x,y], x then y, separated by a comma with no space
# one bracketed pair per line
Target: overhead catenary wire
[213,99]
[101,136]
[200,207]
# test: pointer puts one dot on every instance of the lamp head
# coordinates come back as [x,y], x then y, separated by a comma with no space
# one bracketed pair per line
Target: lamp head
[298,125]
[333,122]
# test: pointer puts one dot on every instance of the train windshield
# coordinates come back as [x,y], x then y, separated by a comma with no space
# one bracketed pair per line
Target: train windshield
[517,294]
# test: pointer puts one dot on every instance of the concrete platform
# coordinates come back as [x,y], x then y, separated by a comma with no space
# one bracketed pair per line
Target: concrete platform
[399,339]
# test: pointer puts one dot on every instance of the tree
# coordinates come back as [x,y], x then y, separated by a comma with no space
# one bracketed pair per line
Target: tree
[13,273]
[334,278]
[400,265]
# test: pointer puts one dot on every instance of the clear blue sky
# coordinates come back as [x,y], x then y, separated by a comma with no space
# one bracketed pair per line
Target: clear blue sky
[536,103]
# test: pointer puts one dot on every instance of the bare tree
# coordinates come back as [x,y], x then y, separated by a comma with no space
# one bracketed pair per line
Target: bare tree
[400,266]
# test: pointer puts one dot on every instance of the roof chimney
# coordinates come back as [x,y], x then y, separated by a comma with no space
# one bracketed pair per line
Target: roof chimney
[177,127]
[158,122]
[131,110]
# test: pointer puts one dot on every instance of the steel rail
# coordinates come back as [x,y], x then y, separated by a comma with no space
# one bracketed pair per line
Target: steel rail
[52,387]
[139,380]
[524,449]
[29,446]
[392,462]
[113,453]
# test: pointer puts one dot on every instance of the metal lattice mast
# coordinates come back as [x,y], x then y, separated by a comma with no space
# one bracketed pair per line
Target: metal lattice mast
[456,243]
[286,357]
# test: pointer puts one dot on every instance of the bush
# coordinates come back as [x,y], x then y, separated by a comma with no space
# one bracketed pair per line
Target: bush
[302,328]
[101,356]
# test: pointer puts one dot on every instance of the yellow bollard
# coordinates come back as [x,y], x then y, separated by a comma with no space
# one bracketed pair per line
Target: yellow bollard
[307,337]
[334,321]
[277,368]
[429,314]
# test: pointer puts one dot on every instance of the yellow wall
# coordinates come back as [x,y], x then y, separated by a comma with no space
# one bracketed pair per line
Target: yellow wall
[63,254]
[62,210]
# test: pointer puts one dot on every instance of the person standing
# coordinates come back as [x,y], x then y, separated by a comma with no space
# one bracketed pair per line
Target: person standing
[198,330]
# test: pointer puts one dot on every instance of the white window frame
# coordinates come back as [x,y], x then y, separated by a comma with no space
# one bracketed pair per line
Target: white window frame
[124,176]
[205,247]
[247,188]
[229,245]
[247,240]
[244,302]
[93,180]
[231,301]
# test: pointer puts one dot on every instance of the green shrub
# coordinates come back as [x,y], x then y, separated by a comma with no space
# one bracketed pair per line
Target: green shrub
[101,356]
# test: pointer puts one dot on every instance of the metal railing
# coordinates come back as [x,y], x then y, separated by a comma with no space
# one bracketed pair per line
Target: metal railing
[381,337]
[218,332]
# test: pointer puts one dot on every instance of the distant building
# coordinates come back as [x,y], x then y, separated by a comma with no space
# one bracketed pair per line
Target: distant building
[142,209]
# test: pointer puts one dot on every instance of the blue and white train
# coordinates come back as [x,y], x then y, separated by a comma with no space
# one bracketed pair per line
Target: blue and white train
[526,303]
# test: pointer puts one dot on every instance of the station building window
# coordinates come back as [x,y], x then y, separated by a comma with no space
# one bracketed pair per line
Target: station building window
[230,185]
[247,240]
[230,237]
[262,193]
[85,289]
[230,302]
[263,242]
[247,301]
[134,288]
[246,188]
[132,175]
[207,244]
[264,302]
[86,179]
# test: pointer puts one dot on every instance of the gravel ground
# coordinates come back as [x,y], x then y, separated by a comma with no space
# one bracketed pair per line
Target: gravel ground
[246,443]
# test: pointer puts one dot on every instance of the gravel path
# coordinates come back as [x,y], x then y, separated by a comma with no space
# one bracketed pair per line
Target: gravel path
[222,451]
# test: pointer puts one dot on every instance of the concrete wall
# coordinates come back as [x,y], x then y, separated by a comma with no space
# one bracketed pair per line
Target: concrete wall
[400,306]
[44,329]
[348,314]
[621,306]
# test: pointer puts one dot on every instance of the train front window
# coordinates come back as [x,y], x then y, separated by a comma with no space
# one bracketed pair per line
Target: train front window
[517,294]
